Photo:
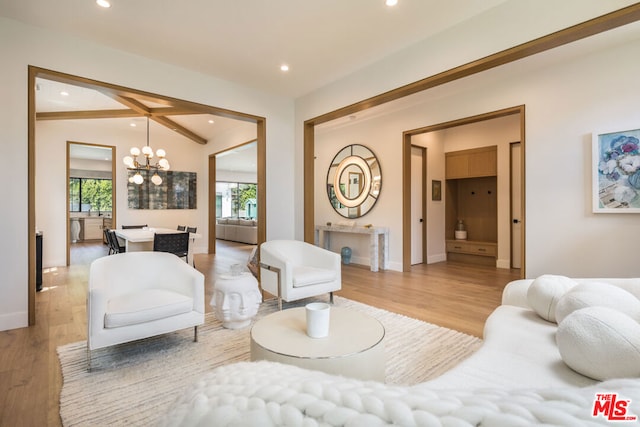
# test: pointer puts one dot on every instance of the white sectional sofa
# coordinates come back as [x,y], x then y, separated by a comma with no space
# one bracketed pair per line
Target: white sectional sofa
[519,377]
[237,230]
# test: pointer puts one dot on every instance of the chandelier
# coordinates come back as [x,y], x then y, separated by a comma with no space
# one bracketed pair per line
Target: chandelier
[133,164]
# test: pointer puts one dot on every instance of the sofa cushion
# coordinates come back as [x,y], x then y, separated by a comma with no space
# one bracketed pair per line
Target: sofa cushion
[233,221]
[246,222]
[145,306]
[598,294]
[223,220]
[600,343]
[306,276]
[544,293]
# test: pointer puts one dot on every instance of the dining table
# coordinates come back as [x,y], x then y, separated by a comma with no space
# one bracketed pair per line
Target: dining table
[141,239]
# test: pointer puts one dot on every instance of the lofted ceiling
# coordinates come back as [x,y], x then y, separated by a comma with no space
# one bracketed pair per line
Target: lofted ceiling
[247,41]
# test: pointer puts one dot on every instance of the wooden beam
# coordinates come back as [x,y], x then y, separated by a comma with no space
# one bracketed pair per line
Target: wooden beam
[87,114]
[179,129]
[571,34]
[139,107]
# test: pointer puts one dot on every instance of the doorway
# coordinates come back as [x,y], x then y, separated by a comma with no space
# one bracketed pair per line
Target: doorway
[407,228]
[91,193]
[515,161]
[418,204]
[137,104]
[234,196]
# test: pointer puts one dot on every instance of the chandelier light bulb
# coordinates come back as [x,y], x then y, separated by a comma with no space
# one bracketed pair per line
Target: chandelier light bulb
[138,179]
[160,153]
[156,179]
[131,179]
[135,151]
[128,160]
[163,163]
[147,151]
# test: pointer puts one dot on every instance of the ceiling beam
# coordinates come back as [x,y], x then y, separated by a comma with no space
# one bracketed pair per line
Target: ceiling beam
[164,121]
[139,107]
[87,114]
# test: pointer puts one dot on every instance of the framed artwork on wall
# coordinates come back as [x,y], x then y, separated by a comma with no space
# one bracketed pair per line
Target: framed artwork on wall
[616,172]
[436,190]
[177,191]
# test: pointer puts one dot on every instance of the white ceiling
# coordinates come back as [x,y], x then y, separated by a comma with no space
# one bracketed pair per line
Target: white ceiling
[246,41]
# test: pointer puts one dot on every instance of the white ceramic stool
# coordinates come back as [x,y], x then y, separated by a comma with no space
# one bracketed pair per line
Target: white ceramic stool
[236,299]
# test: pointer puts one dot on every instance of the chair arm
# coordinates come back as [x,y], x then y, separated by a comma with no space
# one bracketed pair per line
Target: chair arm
[97,299]
[272,261]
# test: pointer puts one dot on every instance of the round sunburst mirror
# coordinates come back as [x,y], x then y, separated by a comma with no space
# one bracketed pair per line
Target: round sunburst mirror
[354,181]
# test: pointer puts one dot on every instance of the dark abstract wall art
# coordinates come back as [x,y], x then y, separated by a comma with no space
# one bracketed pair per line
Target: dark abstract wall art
[177,191]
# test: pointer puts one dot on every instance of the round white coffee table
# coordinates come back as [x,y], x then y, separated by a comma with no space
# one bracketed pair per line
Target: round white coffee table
[354,347]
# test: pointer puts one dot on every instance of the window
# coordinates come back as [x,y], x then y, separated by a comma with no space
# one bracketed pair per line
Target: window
[236,200]
[87,194]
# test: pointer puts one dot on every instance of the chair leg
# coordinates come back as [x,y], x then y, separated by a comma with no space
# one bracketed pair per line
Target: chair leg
[195,334]
[331,297]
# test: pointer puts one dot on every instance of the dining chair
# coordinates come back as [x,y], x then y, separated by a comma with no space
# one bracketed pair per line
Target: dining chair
[192,229]
[126,227]
[107,239]
[114,243]
[182,228]
[175,243]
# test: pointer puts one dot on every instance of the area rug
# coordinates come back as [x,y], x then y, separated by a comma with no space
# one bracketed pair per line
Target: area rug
[135,383]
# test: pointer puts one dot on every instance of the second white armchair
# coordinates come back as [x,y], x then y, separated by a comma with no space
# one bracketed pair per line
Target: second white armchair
[293,270]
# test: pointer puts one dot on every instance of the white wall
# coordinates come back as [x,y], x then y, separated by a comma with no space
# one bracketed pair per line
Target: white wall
[499,132]
[24,45]
[383,135]
[567,97]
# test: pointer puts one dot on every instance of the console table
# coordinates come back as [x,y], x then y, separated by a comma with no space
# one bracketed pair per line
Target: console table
[379,239]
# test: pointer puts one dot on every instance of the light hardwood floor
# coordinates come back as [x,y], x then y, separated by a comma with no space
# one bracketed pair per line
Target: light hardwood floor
[456,296]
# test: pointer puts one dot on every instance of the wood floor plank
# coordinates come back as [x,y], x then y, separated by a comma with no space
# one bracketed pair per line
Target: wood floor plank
[456,296]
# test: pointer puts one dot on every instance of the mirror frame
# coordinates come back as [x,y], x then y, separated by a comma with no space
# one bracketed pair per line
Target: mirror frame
[365,161]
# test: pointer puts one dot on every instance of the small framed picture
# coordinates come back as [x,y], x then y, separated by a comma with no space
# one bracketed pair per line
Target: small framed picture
[436,190]
[616,172]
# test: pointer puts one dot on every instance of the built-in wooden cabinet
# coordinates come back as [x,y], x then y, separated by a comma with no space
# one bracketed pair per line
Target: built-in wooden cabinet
[471,196]
[477,162]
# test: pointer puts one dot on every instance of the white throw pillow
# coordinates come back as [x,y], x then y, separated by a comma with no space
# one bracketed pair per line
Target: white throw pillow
[545,291]
[598,294]
[600,343]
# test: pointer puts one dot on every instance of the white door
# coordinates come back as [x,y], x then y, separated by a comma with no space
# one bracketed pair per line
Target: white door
[417,194]
[516,205]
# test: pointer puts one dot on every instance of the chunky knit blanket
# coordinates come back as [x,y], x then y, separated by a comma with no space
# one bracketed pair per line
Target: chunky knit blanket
[271,394]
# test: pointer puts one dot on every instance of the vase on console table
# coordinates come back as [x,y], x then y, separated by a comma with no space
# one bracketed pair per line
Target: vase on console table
[345,252]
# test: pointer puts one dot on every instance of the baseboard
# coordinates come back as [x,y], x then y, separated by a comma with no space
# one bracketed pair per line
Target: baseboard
[365,261]
[503,263]
[436,258]
[14,320]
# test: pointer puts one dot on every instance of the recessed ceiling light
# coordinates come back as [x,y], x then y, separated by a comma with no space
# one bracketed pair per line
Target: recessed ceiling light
[211,121]
[64,93]
[132,125]
[284,67]
[103,3]
[391,2]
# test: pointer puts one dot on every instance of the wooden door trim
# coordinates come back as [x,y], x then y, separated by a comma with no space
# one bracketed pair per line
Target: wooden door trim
[68,196]
[551,41]
[34,72]
[261,184]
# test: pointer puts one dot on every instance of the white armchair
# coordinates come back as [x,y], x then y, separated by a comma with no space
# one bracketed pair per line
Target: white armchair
[136,295]
[292,270]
